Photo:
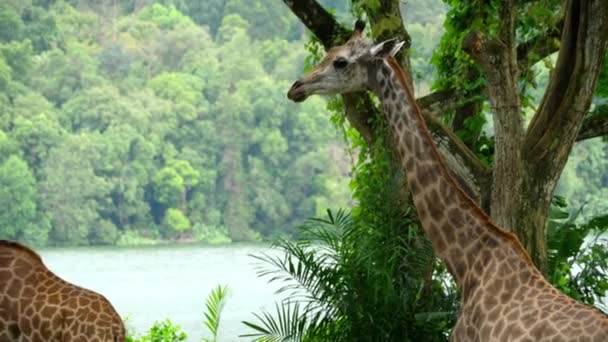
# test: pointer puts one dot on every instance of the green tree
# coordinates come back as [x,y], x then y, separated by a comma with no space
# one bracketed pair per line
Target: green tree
[154,111]
[95,109]
[207,13]
[5,75]
[265,18]
[71,192]
[36,136]
[8,147]
[40,28]
[20,219]
[164,331]
[18,55]
[175,222]
[185,91]
[125,161]
[11,25]
[59,75]
[166,17]
[35,127]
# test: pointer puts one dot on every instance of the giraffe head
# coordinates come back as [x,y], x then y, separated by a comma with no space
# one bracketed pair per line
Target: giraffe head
[345,68]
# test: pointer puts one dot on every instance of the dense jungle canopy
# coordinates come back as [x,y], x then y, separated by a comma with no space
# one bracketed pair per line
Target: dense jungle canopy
[136,121]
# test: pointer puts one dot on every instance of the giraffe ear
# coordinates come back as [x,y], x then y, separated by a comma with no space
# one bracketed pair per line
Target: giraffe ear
[386,48]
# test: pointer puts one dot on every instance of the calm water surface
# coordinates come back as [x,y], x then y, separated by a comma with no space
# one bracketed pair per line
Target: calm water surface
[148,284]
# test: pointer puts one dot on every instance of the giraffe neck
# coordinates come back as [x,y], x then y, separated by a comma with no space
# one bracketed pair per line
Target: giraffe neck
[458,229]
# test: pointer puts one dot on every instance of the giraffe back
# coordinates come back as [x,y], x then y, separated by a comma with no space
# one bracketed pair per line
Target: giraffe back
[37,305]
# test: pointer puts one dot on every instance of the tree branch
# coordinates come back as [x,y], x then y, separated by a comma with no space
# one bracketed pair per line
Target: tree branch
[529,53]
[387,23]
[438,103]
[595,125]
[474,177]
[322,24]
[539,47]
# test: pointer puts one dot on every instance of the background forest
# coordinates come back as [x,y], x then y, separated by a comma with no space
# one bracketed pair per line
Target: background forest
[129,121]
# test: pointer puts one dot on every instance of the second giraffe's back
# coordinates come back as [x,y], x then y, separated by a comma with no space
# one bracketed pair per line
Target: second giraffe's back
[37,305]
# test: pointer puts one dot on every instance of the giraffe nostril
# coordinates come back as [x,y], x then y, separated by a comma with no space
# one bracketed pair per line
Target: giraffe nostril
[296,92]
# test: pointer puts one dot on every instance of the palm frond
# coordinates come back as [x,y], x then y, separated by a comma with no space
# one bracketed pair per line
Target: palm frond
[215,303]
[308,267]
[289,324]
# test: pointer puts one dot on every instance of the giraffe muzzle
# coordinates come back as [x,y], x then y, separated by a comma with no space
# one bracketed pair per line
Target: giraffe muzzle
[296,92]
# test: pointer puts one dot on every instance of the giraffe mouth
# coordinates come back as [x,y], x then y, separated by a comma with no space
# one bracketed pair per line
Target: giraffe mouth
[296,93]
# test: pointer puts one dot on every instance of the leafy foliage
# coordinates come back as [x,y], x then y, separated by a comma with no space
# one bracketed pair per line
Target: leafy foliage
[584,181]
[167,331]
[164,331]
[341,284]
[579,254]
[289,324]
[19,218]
[216,301]
[143,121]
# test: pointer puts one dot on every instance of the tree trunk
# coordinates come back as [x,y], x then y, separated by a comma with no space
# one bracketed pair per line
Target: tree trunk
[498,58]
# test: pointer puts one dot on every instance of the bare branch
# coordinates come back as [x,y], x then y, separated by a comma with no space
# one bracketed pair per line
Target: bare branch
[595,125]
[438,103]
[474,177]
[320,22]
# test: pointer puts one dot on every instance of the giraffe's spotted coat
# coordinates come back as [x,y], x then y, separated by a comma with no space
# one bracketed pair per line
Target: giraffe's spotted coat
[36,305]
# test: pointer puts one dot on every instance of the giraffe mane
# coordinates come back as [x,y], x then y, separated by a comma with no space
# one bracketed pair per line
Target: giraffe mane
[476,209]
[25,249]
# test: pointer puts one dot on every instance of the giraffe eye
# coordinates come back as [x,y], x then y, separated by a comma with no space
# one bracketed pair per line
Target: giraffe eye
[340,63]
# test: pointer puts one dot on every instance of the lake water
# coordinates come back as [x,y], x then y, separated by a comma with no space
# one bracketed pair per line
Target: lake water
[148,284]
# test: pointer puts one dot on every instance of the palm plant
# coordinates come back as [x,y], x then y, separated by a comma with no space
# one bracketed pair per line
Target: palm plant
[345,283]
[216,301]
[365,276]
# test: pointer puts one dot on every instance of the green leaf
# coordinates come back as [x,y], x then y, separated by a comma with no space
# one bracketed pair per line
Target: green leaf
[216,301]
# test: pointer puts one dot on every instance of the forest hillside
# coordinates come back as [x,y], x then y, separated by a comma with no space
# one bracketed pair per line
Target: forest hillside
[135,121]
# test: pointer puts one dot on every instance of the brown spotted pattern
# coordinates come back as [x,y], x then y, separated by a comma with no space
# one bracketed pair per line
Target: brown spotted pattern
[504,297]
[38,306]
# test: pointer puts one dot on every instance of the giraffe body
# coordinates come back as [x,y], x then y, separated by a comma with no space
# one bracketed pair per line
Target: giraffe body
[504,296]
[37,305]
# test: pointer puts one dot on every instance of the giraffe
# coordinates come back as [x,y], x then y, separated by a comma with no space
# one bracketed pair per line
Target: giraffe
[504,296]
[37,305]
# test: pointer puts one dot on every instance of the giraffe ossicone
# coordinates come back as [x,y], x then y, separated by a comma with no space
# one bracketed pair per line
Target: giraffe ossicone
[504,296]
[38,306]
